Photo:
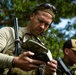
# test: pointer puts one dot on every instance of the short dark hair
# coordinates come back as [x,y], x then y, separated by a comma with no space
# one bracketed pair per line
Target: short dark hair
[67,44]
[70,44]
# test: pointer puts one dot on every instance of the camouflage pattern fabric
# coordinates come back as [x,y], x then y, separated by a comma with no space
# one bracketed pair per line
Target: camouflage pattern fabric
[34,46]
[17,71]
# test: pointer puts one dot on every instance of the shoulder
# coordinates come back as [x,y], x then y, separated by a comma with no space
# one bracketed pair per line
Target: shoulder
[22,31]
[7,31]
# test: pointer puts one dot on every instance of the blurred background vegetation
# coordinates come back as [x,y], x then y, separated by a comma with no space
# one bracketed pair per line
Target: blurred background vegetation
[53,37]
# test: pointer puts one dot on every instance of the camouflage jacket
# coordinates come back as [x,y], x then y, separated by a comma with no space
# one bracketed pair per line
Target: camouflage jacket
[7,46]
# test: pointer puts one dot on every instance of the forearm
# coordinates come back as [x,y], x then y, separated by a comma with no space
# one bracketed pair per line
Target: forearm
[5,60]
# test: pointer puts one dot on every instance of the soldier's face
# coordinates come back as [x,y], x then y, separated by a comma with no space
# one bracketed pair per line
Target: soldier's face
[72,56]
[40,22]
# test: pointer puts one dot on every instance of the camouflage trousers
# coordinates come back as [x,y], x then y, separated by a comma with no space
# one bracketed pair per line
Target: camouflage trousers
[16,71]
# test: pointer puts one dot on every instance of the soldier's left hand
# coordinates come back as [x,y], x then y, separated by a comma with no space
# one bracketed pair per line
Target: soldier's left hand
[51,67]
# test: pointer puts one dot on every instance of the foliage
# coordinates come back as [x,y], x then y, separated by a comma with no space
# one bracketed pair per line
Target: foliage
[54,38]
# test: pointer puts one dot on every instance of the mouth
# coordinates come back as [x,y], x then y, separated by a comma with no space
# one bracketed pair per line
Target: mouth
[38,32]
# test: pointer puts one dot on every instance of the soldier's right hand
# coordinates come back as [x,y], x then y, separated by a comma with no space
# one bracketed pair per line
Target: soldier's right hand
[24,61]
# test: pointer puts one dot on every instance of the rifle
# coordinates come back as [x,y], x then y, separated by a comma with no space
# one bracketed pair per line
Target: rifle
[65,69]
[17,41]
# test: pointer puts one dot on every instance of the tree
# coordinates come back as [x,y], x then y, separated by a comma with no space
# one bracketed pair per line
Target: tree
[54,38]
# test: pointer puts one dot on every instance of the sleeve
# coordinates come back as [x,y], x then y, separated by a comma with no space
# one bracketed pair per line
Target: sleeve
[5,60]
[3,39]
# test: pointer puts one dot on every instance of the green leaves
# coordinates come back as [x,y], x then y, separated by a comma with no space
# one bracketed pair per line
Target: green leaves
[53,38]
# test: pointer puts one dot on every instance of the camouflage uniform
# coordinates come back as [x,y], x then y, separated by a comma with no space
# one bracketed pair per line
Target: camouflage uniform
[7,46]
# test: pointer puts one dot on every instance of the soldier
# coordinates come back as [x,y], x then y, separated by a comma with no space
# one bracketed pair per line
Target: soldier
[40,21]
[69,58]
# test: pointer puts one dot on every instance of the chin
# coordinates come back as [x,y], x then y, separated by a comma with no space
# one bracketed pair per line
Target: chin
[36,35]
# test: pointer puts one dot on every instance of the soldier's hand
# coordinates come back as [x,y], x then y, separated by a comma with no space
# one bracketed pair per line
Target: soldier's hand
[24,61]
[51,67]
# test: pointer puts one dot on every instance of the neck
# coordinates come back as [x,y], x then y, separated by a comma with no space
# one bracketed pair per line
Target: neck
[28,29]
[67,61]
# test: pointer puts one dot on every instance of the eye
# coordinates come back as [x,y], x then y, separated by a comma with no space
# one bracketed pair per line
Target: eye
[40,21]
[47,25]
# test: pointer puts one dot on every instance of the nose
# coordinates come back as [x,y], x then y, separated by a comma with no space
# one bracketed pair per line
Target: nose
[42,26]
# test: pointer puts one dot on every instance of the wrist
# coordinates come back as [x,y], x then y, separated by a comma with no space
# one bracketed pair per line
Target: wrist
[13,63]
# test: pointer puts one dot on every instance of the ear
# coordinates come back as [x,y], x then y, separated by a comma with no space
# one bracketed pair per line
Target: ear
[66,51]
[32,15]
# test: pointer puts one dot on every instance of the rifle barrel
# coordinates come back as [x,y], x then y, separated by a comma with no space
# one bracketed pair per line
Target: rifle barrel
[17,51]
